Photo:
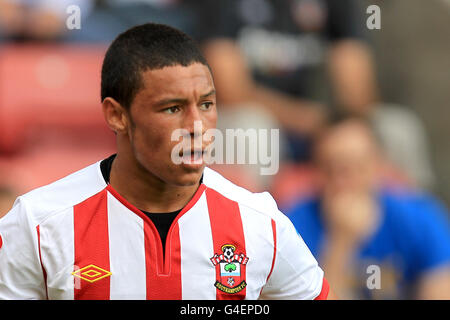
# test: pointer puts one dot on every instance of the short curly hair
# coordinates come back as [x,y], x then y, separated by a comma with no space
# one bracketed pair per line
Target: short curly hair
[150,46]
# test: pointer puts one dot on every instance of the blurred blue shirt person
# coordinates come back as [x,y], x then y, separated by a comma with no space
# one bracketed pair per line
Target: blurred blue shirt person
[355,222]
[411,240]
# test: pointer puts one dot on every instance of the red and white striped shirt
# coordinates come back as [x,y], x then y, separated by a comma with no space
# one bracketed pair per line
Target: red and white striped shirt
[77,238]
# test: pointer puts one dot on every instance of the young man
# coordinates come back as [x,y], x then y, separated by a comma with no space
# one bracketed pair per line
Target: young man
[139,226]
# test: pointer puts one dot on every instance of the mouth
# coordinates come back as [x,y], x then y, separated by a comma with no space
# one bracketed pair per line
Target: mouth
[192,157]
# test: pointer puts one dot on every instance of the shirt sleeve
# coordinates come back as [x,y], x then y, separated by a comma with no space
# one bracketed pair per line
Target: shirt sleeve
[431,231]
[21,274]
[296,273]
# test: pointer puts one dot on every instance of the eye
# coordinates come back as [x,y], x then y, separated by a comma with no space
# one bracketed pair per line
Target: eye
[206,105]
[172,109]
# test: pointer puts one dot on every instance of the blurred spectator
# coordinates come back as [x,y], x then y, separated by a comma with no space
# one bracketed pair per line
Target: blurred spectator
[111,17]
[41,20]
[270,54]
[405,141]
[267,59]
[101,20]
[298,61]
[354,222]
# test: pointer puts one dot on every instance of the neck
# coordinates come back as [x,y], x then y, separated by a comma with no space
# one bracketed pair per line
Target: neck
[146,191]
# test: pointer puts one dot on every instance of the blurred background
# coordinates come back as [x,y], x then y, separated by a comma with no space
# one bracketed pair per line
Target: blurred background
[309,67]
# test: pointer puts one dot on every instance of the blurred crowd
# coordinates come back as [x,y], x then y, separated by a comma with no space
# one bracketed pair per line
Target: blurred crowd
[356,175]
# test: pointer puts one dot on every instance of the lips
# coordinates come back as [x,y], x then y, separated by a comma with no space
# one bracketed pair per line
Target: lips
[194,156]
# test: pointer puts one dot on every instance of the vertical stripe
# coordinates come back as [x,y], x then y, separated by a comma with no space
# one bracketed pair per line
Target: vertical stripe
[274,256]
[258,233]
[127,255]
[151,265]
[198,274]
[163,274]
[274,232]
[40,259]
[56,240]
[163,280]
[91,244]
[226,228]
[323,295]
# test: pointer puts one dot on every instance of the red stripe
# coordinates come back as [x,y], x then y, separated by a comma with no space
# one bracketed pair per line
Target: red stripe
[226,228]
[274,232]
[1,241]
[163,281]
[163,277]
[90,219]
[40,259]
[324,292]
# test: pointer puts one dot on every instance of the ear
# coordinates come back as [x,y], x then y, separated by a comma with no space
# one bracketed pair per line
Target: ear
[115,115]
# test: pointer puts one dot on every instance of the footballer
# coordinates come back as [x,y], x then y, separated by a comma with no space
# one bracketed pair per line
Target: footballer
[138,226]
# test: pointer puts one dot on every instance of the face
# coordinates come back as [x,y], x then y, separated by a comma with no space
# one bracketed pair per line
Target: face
[347,159]
[171,98]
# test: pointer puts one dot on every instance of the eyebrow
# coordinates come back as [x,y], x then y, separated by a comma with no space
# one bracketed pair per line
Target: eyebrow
[181,100]
[212,92]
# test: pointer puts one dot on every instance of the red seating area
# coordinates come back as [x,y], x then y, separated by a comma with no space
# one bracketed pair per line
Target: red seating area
[51,122]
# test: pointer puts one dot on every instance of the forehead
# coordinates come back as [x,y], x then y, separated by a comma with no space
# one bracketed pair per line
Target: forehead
[180,81]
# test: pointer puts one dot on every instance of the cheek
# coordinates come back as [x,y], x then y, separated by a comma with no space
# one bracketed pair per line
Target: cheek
[149,142]
[211,119]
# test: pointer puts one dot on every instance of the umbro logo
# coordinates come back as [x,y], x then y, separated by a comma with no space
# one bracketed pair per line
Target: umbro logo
[91,273]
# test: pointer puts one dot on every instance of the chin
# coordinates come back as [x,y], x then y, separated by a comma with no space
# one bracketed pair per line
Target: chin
[188,176]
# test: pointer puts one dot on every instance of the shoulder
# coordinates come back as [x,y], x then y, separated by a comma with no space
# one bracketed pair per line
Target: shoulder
[62,194]
[261,203]
[305,214]
[412,205]
[304,206]
[420,225]
[419,218]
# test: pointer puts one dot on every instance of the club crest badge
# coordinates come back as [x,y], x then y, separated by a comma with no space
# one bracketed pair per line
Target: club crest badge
[230,269]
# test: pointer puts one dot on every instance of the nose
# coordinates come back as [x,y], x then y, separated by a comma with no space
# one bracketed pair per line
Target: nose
[193,122]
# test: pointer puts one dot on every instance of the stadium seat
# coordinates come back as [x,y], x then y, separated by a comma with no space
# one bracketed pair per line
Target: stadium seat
[51,123]
[44,86]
